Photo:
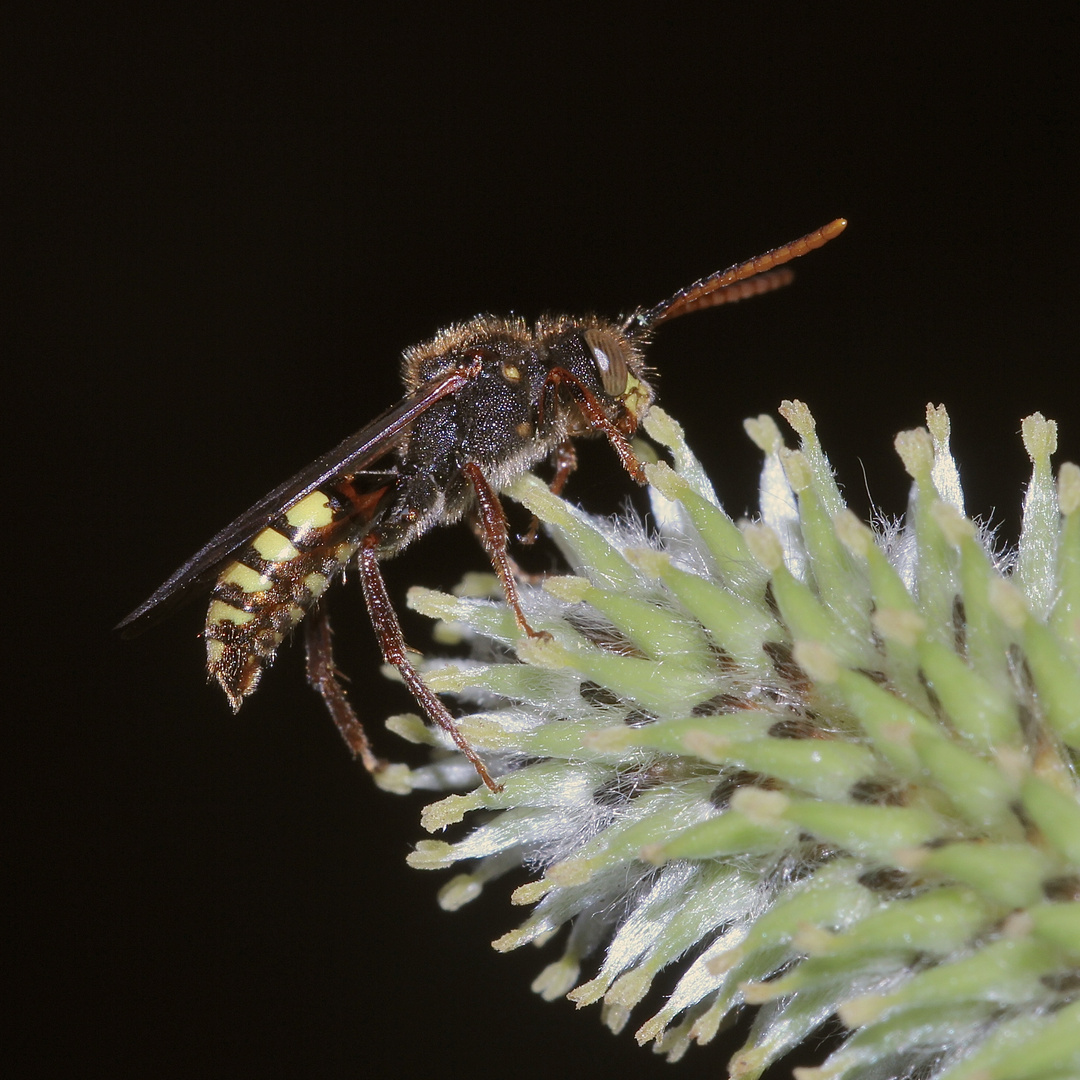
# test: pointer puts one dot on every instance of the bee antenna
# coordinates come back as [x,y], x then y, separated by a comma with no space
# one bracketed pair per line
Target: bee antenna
[733,284]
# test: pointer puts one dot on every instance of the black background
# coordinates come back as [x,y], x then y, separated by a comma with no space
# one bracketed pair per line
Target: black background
[227,223]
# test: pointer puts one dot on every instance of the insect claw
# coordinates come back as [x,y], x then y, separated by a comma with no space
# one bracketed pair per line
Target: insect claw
[528,538]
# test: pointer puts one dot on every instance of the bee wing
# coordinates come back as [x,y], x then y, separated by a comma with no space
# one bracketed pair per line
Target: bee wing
[348,458]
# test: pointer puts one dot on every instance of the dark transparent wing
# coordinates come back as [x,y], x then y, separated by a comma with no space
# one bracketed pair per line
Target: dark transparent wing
[355,455]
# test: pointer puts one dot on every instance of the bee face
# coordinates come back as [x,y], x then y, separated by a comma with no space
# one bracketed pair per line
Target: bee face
[606,361]
[622,373]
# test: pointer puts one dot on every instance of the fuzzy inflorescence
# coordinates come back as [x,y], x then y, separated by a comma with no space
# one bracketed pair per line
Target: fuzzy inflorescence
[816,768]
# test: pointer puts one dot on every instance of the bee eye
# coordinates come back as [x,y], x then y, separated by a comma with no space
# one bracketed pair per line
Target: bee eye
[609,355]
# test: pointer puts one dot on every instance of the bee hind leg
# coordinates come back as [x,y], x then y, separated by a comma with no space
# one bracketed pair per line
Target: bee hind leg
[325,678]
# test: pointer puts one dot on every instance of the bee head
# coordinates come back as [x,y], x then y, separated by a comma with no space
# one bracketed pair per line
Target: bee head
[621,369]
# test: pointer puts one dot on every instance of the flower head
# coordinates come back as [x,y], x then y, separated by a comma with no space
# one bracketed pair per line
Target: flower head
[827,770]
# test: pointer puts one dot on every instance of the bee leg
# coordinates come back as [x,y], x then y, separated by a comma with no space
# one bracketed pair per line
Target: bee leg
[324,677]
[564,458]
[598,420]
[392,642]
[493,536]
[521,575]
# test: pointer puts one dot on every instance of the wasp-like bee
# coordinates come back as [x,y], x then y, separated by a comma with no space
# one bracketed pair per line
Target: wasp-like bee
[485,401]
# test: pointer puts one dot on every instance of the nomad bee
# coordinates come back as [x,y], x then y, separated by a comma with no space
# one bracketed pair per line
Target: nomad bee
[485,401]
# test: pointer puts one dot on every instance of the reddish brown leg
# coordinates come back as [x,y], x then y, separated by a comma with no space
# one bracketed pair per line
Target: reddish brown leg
[564,459]
[392,643]
[494,537]
[598,419]
[519,573]
[323,675]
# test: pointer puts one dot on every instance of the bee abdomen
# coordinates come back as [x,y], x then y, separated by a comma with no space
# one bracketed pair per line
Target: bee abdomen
[262,594]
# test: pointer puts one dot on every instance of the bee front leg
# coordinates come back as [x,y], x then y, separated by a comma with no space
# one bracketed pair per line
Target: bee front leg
[392,642]
[493,535]
[324,677]
[599,420]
